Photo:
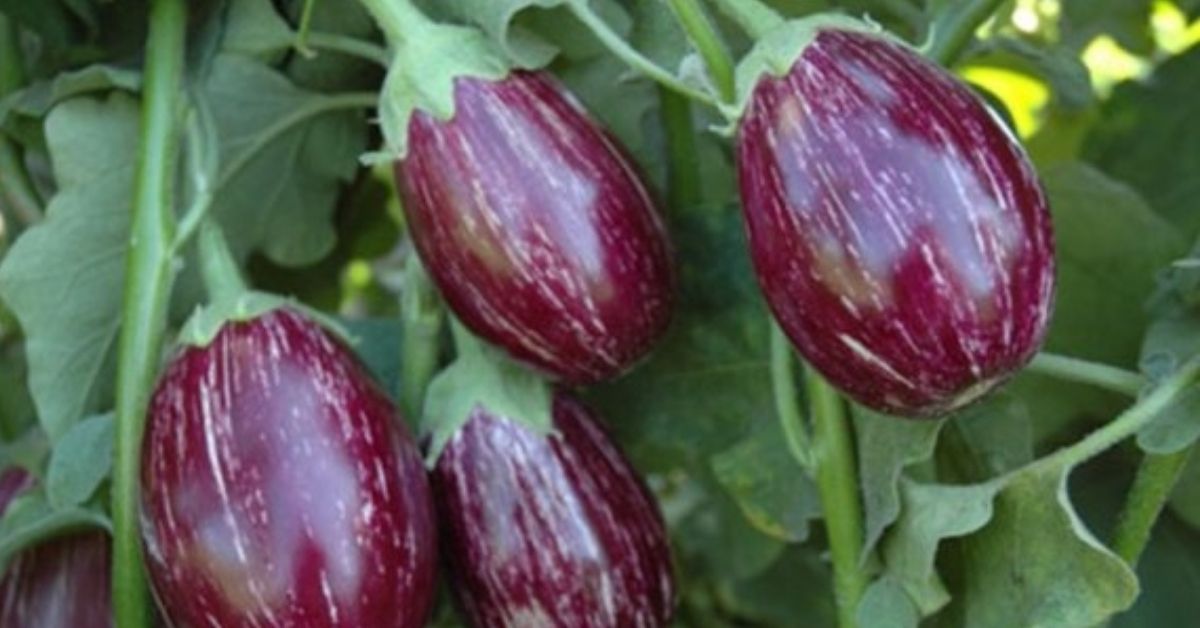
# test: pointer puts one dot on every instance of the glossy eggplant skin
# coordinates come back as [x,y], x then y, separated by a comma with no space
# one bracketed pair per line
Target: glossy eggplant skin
[280,487]
[62,582]
[897,229]
[536,229]
[551,531]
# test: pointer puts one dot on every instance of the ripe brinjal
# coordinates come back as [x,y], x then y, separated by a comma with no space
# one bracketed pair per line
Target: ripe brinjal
[536,229]
[61,582]
[898,230]
[279,487]
[555,531]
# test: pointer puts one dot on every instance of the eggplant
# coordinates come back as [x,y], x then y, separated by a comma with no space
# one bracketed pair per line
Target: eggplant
[551,530]
[61,582]
[280,487]
[898,231]
[536,229]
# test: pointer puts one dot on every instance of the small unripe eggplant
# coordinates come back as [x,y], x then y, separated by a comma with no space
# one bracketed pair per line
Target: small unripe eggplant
[61,582]
[279,487]
[898,230]
[554,530]
[536,229]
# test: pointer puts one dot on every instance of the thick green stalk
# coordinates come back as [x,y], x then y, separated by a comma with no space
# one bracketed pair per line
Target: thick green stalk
[148,278]
[708,43]
[1156,477]
[754,16]
[954,28]
[837,482]
[683,163]
[1070,369]
[423,317]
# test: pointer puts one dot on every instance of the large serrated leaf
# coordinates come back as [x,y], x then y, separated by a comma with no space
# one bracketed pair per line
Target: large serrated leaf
[886,445]
[63,278]
[80,461]
[284,154]
[1035,564]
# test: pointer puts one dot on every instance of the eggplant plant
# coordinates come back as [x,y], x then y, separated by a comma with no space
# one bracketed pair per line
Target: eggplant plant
[603,313]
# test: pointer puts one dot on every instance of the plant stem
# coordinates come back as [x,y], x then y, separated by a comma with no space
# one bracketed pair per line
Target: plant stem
[148,280]
[954,28]
[837,482]
[754,16]
[683,164]
[302,32]
[18,196]
[1104,376]
[422,316]
[399,19]
[1156,477]
[703,35]
[630,55]
[783,383]
[350,46]
[1128,422]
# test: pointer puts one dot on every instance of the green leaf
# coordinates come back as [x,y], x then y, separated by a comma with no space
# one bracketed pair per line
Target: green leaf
[1175,428]
[886,605]
[36,99]
[793,592]
[886,446]
[1127,21]
[80,461]
[63,278]
[724,543]
[769,486]
[1185,499]
[1035,564]
[1138,121]
[284,154]
[931,514]
[378,343]
[1066,74]
[483,378]
[1110,245]
[254,28]
[30,518]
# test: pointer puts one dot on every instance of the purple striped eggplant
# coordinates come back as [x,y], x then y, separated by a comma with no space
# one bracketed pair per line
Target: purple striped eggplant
[279,487]
[536,229]
[898,230]
[553,531]
[62,582]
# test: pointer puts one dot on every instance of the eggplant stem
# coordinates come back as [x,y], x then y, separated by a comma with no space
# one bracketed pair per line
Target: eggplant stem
[708,42]
[1156,478]
[148,280]
[837,483]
